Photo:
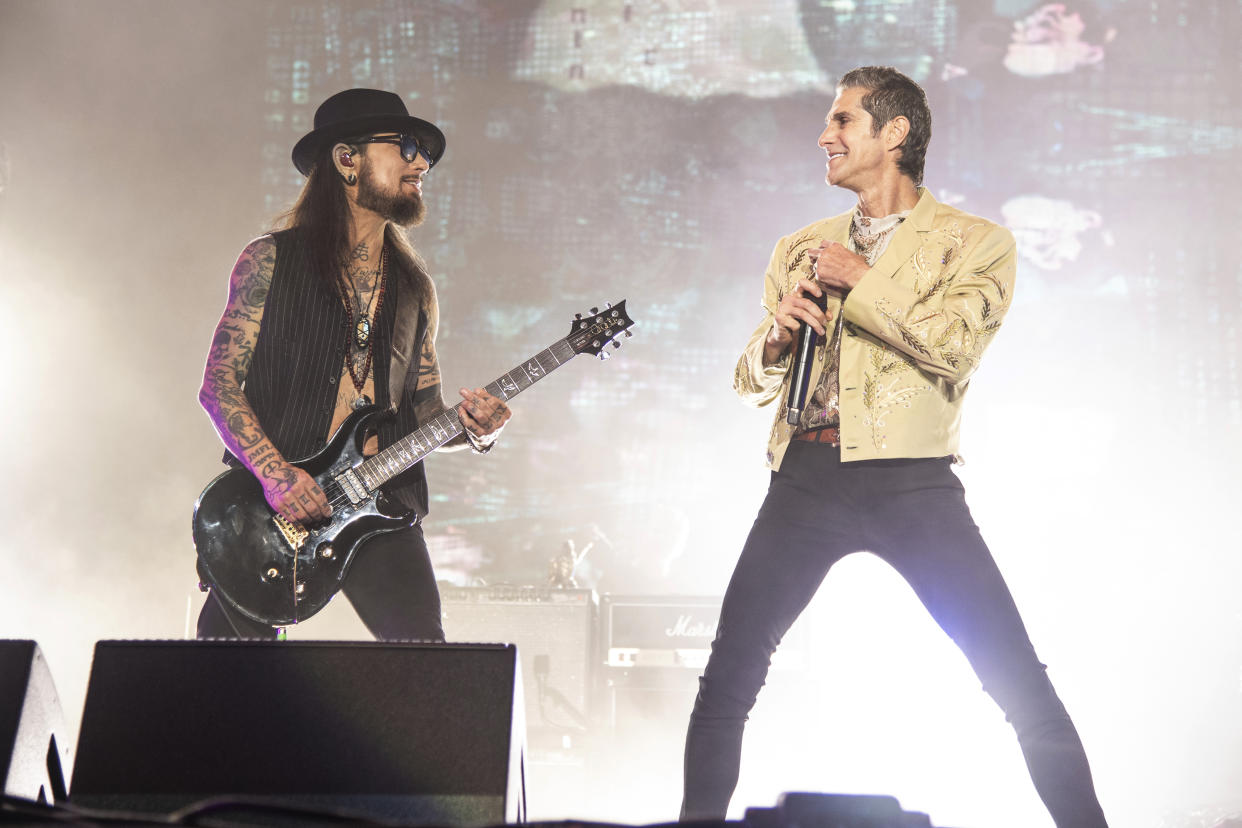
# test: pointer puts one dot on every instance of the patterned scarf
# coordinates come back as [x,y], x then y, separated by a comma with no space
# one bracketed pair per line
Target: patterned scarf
[870,236]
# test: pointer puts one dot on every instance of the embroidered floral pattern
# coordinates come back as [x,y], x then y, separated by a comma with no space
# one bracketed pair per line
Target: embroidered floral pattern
[883,390]
[954,340]
[912,342]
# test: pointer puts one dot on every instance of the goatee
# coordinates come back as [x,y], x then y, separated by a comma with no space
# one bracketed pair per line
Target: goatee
[402,209]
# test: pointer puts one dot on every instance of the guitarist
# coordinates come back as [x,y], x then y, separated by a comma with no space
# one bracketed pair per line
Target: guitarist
[331,313]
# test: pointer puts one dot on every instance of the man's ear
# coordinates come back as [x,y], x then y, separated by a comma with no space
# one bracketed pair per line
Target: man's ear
[344,161]
[895,132]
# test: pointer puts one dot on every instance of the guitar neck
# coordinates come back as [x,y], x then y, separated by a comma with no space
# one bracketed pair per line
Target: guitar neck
[412,448]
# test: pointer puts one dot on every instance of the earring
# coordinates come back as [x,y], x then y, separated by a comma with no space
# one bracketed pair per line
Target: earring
[351,179]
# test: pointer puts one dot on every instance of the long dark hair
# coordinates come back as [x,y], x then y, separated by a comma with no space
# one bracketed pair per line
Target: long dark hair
[322,213]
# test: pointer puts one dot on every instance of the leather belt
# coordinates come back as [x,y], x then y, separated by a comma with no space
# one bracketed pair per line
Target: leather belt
[829,435]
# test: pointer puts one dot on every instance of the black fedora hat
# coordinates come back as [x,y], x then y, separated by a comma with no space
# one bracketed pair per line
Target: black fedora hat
[357,112]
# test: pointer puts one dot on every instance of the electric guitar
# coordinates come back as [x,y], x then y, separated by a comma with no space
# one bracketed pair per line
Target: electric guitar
[279,572]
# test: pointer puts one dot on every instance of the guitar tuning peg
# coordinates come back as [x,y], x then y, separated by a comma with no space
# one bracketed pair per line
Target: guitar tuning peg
[616,345]
[594,310]
[603,356]
[608,304]
[628,333]
[577,316]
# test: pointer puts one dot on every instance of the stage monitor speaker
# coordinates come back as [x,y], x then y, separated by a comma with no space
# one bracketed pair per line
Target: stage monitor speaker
[423,733]
[554,630]
[35,755]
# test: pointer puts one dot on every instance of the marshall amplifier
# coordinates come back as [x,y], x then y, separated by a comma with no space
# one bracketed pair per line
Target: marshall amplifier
[655,648]
[673,631]
[554,630]
[658,631]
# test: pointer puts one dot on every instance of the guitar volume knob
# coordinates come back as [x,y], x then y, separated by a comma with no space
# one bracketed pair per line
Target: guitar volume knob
[326,551]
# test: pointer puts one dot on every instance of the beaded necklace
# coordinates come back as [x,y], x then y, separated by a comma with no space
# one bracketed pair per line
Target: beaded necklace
[358,334]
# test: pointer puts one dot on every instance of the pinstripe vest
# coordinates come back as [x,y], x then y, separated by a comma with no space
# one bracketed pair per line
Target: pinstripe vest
[300,352]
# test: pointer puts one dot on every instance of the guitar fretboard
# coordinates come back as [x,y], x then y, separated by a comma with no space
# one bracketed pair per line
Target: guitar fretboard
[412,448]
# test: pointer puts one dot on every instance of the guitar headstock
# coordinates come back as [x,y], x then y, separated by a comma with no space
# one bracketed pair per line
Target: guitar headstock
[591,334]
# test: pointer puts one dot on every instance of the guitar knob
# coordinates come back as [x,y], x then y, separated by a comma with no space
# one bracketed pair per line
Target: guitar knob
[300,588]
[272,573]
[326,551]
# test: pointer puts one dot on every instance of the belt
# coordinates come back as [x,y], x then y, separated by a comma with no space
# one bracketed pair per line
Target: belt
[829,435]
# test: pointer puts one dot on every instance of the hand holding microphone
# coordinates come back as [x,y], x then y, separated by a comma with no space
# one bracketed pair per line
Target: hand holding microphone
[804,305]
[837,270]
[813,325]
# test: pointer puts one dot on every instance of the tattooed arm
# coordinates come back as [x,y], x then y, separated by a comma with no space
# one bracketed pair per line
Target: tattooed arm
[288,489]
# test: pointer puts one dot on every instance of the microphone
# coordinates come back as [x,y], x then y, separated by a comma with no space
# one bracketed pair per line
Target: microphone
[807,341]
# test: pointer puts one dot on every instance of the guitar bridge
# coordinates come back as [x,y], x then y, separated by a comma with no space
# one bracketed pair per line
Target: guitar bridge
[293,534]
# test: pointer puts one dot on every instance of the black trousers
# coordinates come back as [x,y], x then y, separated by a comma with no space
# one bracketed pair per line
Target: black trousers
[390,583]
[913,515]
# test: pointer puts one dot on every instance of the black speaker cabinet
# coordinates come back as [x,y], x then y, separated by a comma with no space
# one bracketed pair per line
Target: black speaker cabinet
[427,733]
[554,630]
[35,756]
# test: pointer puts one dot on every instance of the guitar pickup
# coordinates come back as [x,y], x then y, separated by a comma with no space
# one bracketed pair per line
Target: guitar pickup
[352,487]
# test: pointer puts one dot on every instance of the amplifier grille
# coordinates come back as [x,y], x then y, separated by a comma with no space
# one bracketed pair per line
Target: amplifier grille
[554,632]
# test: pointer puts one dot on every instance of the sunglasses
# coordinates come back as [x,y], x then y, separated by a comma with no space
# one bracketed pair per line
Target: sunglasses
[410,148]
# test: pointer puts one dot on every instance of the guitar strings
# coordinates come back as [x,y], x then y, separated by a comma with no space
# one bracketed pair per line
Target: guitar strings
[336,494]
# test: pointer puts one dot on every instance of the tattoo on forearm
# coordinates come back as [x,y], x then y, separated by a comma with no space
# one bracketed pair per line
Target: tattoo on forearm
[427,402]
[273,470]
[244,429]
[228,362]
[262,455]
[428,368]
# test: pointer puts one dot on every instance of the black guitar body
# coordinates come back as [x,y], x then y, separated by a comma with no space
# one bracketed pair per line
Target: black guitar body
[278,575]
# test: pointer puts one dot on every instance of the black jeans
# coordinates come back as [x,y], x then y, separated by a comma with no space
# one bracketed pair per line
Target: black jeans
[912,514]
[390,583]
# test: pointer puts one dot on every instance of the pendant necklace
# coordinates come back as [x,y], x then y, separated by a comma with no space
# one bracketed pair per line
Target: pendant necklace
[358,331]
[362,328]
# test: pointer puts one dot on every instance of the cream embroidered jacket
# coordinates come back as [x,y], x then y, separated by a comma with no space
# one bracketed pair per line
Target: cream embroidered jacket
[914,330]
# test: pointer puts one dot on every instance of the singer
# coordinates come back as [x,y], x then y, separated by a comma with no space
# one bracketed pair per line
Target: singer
[915,290]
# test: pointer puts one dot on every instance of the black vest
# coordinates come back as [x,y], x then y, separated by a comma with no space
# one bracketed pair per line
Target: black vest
[300,353]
